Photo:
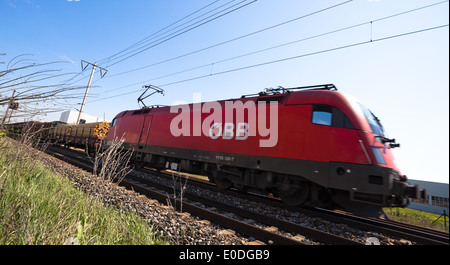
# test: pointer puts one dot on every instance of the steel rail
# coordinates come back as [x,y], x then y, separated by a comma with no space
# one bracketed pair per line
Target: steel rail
[222,220]
[417,234]
[314,234]
[414,233]
[138,184]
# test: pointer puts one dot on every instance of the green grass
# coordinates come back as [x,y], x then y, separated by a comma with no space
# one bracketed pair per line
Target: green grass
[418,218]
[39,207]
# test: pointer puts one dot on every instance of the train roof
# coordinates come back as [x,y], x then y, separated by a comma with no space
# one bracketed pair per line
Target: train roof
[321,94]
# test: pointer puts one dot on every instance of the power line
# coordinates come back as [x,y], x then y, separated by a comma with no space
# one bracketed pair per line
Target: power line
[228,41]
[262,50]
[184,30]
[286,59]
[308,54]
[300,40]
[288,43]
[271,27]
[150,36]
[145,43]
[239,38]
[70,82]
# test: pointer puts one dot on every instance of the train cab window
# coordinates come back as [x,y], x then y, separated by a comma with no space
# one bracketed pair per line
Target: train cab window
[330,116]
[322,115]
[113,122]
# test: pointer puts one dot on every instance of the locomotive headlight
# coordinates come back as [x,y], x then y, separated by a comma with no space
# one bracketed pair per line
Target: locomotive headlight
[378,155]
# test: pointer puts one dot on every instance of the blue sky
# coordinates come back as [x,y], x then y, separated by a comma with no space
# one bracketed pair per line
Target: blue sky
[403,80]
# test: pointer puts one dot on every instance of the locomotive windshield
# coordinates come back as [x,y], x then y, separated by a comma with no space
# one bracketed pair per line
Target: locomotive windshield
[373,121]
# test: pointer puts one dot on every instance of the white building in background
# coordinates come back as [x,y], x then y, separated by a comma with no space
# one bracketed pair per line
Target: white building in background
[437,197]
[71,116]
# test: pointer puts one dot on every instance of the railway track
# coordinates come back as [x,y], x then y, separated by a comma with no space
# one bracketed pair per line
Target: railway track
[250,217]
[421,235]
[414,233]
[202,207]
[263,234]
[406,231]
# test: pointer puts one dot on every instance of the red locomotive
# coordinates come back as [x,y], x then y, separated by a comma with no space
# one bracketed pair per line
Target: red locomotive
[309,145]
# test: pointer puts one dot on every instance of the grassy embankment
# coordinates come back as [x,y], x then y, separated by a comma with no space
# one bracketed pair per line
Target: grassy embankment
[418,218]
[40,207]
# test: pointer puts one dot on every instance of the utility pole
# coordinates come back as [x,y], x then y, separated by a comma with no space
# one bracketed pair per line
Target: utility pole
[89,84]
[10,106]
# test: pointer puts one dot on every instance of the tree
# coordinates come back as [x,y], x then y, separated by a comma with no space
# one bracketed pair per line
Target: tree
[31,89]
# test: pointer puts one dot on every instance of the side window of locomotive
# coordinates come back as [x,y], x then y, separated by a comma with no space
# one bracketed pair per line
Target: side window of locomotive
[113,123]
[322,115]
[330,116]
[341,120]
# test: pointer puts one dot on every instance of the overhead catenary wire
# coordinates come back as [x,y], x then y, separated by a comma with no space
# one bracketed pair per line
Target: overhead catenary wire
[222,43]
[308,54]
[71,81]
[238,38]
[167,32]
[371,22]
[157,32]
[260,51]
[372,41]
[270,48]
[268,28]
[185,30]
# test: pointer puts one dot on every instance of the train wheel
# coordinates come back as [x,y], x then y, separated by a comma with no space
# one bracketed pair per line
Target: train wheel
[221,181]
[224,184]
[139,164]
[296,196]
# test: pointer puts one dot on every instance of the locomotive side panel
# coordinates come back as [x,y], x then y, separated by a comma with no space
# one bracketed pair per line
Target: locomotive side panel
[318,144]
[128,128]
[196,131]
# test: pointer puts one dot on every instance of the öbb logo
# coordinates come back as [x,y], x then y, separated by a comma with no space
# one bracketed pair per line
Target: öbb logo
[228,131]
[228,120]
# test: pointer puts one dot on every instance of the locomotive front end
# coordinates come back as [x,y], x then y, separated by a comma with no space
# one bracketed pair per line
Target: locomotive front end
[379,151]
